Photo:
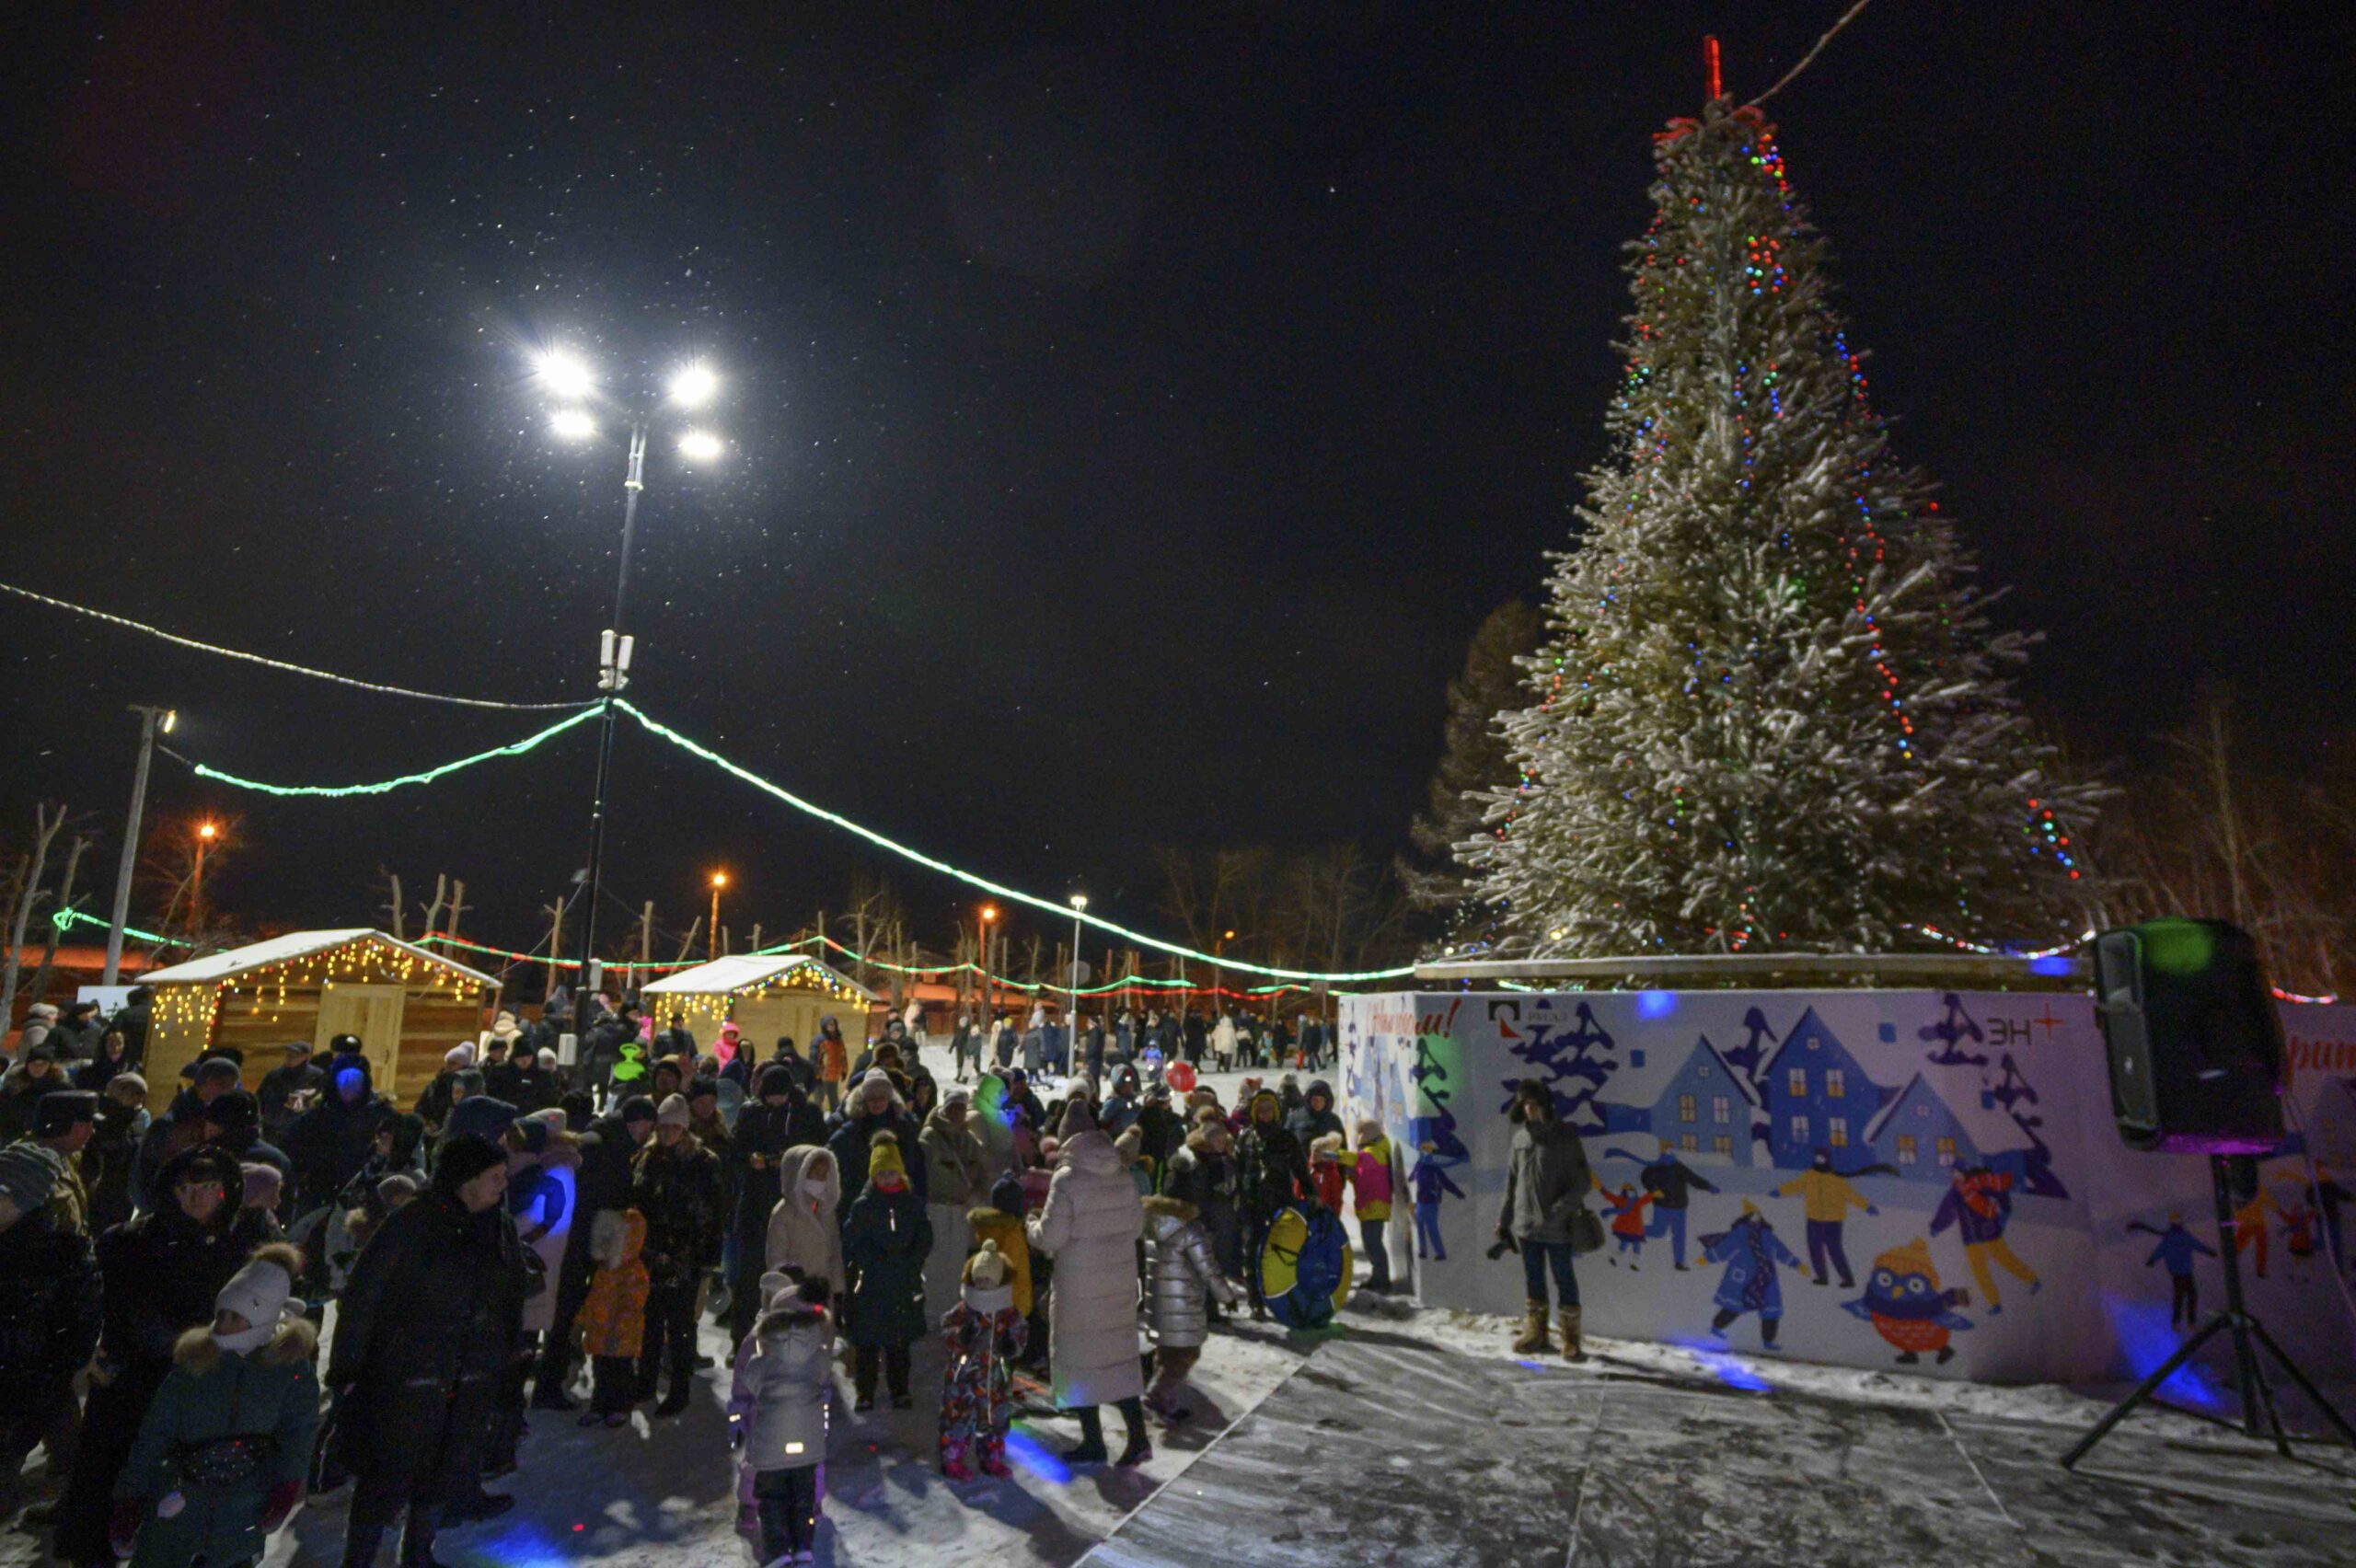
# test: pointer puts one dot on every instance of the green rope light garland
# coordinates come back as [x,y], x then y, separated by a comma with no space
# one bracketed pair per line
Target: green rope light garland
[996,889]
[654,727]
[339,791]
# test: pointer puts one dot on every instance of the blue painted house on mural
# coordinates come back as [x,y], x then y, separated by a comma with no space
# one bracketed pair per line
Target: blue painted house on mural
[1815,1096]
[1925,1136]
[1696,1101]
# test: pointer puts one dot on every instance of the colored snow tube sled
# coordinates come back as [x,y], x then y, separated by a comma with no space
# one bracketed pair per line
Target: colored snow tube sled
[1305,1266]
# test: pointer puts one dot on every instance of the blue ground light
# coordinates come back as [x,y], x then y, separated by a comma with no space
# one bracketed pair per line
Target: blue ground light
[523,1545]
[1026,1450]
[1723,1368]
[2146,1339]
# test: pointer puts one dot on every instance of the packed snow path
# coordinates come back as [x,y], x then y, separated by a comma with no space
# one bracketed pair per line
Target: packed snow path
[1388,1448]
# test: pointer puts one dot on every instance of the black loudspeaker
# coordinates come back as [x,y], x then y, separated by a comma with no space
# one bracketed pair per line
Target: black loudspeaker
[2197,1059]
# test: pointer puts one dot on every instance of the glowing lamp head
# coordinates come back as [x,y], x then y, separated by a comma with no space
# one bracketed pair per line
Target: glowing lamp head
[699,446]
[573,424]
[565,376]
[171,720]
[1078,901]
[989,912]
[719,879]
[208,832]
[694,385]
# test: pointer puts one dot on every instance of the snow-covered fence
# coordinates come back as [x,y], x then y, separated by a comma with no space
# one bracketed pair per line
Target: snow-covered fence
[1931,1177]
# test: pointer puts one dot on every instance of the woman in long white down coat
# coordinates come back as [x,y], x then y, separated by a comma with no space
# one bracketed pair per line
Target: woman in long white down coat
[1090,1224]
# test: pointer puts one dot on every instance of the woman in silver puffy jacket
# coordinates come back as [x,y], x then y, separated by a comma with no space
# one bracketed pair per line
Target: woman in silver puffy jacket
[1181,1276]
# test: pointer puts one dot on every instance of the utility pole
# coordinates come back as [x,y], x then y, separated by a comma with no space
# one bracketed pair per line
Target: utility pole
[152,722]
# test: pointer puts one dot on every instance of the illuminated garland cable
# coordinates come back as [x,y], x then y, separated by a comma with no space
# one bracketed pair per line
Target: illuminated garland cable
[335,792]
[269,662]
[997,890]
[1987,952]
[66,919]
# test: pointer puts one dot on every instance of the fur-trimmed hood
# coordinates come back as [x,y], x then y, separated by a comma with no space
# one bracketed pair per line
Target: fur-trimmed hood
[1178,1209]
[294,1342]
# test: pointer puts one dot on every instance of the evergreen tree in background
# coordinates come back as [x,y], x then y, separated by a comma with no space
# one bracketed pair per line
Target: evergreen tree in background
[1473,753]
[1770,712]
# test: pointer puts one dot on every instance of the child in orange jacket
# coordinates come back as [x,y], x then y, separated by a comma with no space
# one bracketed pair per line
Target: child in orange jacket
[611,1326]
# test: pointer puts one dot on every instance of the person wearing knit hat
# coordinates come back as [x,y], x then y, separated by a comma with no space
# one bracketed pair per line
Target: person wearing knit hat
[263,1184]
[56,1115]
[464,1159]
[1130,1146]
[1079,1117]
[776,1402]
[28,1177]
[886,1240]
[172,1507]
[986,1335]
[677,1186]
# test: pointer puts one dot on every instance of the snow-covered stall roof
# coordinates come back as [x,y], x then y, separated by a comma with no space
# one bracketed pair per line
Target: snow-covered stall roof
[295,944]
[728,976]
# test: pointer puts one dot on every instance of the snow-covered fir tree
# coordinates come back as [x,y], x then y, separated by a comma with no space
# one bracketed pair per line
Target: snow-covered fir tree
[1770,712]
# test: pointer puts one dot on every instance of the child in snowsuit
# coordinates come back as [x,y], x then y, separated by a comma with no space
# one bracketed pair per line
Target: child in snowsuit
[985,1335]
[611,1324]
[1325,1172]
[1181,1278]
[777,1405]
[224,1448]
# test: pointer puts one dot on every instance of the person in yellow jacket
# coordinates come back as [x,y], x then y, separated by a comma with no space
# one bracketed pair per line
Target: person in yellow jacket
[1826,1197]
[1371,1185]
[611,1324]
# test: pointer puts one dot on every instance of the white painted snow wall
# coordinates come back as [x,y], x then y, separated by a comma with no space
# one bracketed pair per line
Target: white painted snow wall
[1950,1114]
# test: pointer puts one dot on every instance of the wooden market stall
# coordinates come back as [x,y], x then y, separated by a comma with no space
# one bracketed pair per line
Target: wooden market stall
[765,996]
[406,1005]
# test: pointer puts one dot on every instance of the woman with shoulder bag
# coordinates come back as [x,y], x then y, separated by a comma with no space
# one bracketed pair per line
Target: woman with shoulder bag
[1544,1214]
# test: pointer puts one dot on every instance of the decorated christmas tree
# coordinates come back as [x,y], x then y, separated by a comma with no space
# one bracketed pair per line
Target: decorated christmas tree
[1770,712]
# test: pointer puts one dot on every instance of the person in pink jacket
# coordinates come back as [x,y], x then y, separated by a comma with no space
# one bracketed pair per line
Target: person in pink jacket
[1370,1181]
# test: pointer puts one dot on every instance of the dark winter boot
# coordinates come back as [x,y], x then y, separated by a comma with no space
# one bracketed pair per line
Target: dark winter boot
[1532,1340]
[360,1543]
[1139,1450]
[1573,1348]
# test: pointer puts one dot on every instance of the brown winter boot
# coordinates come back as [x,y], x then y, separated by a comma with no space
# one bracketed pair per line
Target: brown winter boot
[1572,1349]
[1532,1340]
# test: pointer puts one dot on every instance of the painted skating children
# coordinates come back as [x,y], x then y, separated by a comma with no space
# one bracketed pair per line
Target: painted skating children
[1627,1207]
[777,1404]
[1429,1179]
[611,1325]
[985,1333]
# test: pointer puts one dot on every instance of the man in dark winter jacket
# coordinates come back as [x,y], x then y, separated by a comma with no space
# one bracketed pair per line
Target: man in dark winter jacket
[1272,1170]
[424,1332]
[49,1306]
[607,1152]
[1314,1118]
[23,1087]
[1547,1180]
[676,1186]
[280,1087]
[334,1139]
[181,1127]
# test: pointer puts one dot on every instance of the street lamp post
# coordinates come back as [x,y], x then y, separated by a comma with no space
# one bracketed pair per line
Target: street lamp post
[153,721]
[570,381]
[1071,1024]
[206,834]
[719,880]
[990,980]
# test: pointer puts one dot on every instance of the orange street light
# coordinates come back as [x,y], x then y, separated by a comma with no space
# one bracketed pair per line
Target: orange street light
[719,880]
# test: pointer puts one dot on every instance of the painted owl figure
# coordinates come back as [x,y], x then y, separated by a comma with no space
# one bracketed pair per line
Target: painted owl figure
[1906,1307]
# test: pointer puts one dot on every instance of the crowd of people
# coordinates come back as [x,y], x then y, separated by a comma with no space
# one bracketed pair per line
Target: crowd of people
[526,1236]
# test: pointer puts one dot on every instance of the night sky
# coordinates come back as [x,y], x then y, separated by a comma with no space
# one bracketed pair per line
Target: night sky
[1132,409]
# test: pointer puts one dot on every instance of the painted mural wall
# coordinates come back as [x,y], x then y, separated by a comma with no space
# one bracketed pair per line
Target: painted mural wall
[1915,1179]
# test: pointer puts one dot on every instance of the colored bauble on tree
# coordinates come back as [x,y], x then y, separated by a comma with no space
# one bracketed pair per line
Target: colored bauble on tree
[1770,712]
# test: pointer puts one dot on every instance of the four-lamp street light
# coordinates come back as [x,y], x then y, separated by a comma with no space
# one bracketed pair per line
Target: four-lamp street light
[576,394]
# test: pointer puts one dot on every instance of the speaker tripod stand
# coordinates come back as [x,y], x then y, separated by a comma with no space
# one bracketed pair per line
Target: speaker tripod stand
[2249,1337]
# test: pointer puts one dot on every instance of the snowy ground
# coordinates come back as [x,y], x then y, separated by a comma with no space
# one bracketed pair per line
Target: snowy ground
[1413,1437]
